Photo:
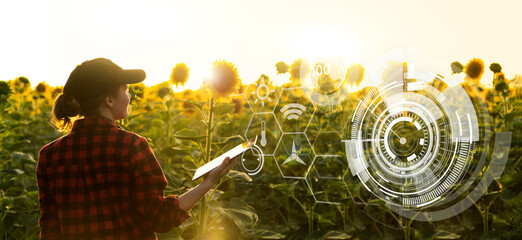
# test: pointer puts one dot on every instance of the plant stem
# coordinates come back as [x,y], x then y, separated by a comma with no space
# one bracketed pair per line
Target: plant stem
[168,125]
[203,201]
[506,125]
[485,216]
[311,219]
[407,230]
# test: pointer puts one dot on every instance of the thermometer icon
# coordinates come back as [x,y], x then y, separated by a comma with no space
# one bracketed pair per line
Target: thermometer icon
[263,133]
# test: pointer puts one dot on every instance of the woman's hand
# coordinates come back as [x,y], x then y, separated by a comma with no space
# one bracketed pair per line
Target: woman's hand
[215,175]
[190,198]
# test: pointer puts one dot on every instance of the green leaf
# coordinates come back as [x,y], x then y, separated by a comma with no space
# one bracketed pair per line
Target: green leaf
[14,171]
[511,179]
[225,195]
[229,139]
[199,105]
[223,109]
[20,157]
[336,235]
[241,213]
[267,234]
[28,220]
[133,116]
[171,151]
[188,134]
[221,125]
[499,222]
[285,188]
[239,176]
[16,145]
[189,164]
[441,234]
[181,123]
[280,187]
[376,202]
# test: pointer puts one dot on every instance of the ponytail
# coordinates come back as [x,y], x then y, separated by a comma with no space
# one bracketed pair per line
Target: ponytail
[65,109]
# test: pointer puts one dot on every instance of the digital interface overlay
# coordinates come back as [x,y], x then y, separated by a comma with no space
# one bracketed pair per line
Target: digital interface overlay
[416,140]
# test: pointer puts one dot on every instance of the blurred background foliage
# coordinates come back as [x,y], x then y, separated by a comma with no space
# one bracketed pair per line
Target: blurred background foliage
[188,128]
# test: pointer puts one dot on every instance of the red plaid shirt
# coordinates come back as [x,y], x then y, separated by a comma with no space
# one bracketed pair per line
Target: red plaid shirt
[101,182]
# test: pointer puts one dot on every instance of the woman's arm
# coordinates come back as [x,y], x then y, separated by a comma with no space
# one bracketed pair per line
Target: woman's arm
[190,198]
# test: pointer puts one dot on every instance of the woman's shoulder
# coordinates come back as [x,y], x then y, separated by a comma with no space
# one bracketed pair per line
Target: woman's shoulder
[49,146]
[131,137]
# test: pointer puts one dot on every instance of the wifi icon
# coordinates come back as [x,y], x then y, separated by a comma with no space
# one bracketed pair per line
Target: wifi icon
[293,110]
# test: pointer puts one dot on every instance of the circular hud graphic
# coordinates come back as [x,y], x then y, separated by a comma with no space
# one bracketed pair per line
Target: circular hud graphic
[412,145]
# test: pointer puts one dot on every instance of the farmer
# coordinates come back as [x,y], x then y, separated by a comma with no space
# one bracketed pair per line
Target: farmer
[100,181]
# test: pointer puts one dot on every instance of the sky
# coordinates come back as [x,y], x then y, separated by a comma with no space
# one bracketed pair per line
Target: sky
[45,40]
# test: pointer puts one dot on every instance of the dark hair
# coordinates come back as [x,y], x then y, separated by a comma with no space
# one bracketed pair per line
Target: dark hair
[66,109]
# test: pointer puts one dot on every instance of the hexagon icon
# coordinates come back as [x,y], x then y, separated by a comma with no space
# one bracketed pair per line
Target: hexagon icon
[325,179]
[294,110]
[330,166]
[294,155]
[332,117]
[262,95]
[267,130]
[328,143]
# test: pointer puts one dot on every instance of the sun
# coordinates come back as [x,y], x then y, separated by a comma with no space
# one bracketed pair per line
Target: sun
[262,92]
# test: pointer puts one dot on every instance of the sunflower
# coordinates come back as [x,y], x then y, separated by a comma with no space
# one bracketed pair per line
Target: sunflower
[474,69]
[298,70]
[456,67]
[187,94]
[281,67]
[137,92]
[5,91]
[41,87]
[495,67]
[56,92]
[354,74]
[164,91]
[325,83]
[239,106]
[21,84]
[393,71]
[200,94]
[180,74]
[225,79]
[438,83]
[188,109]
[501,84]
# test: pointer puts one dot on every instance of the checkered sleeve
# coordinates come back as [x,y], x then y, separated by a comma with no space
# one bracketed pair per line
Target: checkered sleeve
[161,213]
[49,221]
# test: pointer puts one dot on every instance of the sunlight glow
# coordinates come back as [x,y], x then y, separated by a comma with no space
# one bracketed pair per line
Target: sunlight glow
[313,42]
[45,41]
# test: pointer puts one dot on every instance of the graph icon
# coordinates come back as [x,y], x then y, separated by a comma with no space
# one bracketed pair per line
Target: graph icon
[293,110]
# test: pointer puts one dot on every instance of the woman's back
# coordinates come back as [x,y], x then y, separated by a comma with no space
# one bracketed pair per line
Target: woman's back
[93,180]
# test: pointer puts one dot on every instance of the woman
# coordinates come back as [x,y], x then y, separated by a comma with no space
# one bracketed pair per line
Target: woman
[100,181]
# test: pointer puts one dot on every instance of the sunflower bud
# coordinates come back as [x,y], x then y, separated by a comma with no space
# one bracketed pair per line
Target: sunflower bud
[5,91]
[456,67]
[281,67]
[41,87]
[180,74]
[495,67]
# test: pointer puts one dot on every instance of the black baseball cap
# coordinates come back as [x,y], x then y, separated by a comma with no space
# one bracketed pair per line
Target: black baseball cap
[97,77]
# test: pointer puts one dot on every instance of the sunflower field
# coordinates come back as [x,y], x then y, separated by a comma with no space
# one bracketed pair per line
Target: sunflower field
[187,129]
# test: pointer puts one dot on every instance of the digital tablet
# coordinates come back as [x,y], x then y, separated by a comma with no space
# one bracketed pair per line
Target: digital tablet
[201,171]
